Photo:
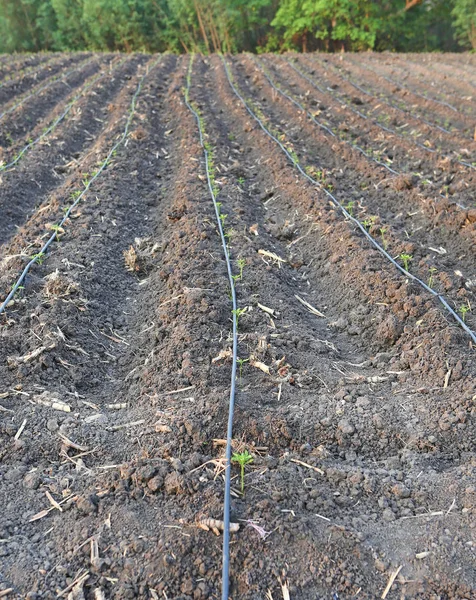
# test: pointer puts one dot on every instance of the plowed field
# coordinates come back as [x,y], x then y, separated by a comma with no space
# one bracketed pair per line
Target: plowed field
[345,190]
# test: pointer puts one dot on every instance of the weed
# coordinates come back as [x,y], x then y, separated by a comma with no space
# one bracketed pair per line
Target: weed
[431,279]
[406,259]
[464,309]
[242,458]
[231,137]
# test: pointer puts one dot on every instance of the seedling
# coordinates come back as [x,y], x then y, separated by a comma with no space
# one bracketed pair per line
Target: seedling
[406,259]
[19,290]
[243,459]
[431,279]
[40,257]
[58,230]
[238,313]
[463,310]
[241,362]
[229,233]
[223,219]
[241,180]
[350,207]
[368,223]
[241,262]
[383,231]
[231,137]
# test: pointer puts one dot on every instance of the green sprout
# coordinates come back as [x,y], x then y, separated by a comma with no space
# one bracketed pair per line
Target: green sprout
[241,263]
[40,257]
[241,362]
[431,279]
[238,312]
[243,459]
[383,231]
[241,180]
[350,207]
[463,310]
[231,137]
[223,219]
[369,223]
[406,259]
[19,290]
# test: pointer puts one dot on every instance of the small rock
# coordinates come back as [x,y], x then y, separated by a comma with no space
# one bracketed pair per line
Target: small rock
[400,491]
[32,481]
[52,425]
[388,515]
[88,504]
[346,427]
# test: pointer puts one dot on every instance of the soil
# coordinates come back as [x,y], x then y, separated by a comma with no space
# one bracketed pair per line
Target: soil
[115,353]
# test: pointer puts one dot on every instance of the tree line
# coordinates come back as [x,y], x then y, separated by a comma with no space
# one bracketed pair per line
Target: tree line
[237,25]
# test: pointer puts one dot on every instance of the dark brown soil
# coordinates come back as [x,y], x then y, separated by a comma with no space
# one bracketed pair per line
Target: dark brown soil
[114,355]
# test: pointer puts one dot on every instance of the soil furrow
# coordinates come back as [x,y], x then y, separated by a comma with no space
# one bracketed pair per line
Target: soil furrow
[70,152]
[406,155]
[15,68]
[434,139]
[363,131]
[440,79]
[357,407]
[413,223]
[434,116]
[14,90]
[271,165]
[23,120]
[413,80]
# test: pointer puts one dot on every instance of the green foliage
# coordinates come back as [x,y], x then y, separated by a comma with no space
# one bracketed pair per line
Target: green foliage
[327,24]
[235,25]
[464,14]
[243,459]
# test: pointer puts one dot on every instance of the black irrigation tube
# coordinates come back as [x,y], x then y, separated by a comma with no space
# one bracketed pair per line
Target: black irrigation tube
[316,122]
[347,214]
[229,435]
[41,254]
[58,119]
[387,129]
[366,118]
[56,79]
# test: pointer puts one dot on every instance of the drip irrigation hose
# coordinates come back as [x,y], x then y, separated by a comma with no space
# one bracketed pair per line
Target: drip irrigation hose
[52,238]
[316,122]
[58,120]
[346,213]
[57,79]
[229,433]
[376,123]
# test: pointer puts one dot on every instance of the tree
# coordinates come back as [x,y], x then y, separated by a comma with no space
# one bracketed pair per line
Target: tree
[464,14]
[338,24]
